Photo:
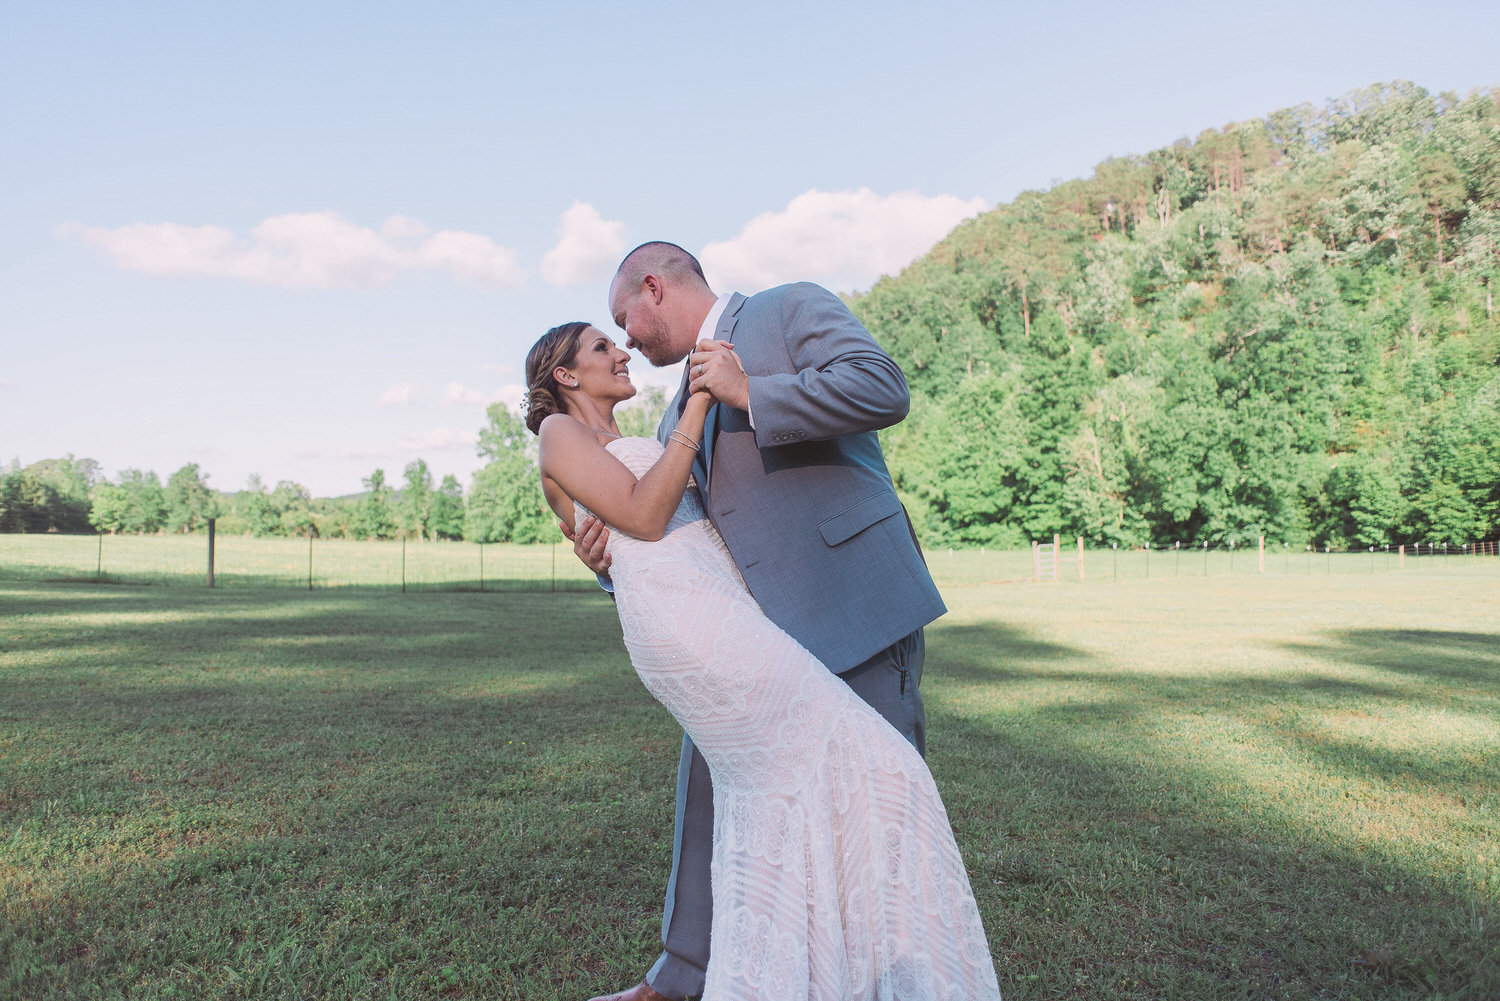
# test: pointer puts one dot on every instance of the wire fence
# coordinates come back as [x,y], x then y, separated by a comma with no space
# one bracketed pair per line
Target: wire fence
[1055,560]
[242,561]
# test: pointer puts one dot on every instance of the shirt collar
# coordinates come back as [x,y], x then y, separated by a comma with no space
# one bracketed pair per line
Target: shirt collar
[711,321]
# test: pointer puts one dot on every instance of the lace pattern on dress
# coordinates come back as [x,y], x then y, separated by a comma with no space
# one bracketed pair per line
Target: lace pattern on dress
[835,872]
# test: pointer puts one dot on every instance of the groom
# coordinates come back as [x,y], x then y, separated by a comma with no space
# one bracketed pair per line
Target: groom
[794,480]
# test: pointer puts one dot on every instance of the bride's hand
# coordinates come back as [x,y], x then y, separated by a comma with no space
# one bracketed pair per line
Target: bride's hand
[588,544]
[717,370]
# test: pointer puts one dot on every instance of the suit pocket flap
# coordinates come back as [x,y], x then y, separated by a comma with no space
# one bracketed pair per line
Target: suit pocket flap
[847,524]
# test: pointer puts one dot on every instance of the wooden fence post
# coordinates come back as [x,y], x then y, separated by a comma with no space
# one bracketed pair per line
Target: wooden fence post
[1262,554]
[1036,562]
[1080,557]
[1401,558]
[211,551]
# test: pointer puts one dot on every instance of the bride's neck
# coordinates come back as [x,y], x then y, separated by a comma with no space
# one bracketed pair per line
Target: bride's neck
[600,417]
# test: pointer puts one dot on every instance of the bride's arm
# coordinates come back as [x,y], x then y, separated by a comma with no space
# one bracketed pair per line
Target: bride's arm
[572,458]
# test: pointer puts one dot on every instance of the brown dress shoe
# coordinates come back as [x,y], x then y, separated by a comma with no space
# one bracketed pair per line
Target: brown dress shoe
[640,992]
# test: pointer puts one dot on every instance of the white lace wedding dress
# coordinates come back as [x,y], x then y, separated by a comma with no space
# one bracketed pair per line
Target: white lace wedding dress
[835,872]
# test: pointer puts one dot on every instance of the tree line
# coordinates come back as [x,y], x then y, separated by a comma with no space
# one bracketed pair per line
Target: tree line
[504,502]
[68,495]
[1285,327]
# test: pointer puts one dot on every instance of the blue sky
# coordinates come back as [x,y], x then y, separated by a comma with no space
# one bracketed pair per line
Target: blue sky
[307,240]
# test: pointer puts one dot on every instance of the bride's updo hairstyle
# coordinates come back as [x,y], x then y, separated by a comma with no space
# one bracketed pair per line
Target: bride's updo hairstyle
[558,347]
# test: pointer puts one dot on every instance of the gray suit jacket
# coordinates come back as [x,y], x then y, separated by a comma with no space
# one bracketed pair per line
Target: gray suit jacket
[803,499]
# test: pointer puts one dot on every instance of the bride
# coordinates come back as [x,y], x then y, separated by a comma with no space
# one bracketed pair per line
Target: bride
[835,873]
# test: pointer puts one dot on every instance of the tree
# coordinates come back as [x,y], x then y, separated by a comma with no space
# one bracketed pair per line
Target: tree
[1363,501]
[1456,469]
[10,498]
[108,512]
[506,503]
[52,495]
[447,521]
[373,519]
[259,512]
[1442,191]
[190,502]
[962,466]
[292,506]
[136,504]
[415,506]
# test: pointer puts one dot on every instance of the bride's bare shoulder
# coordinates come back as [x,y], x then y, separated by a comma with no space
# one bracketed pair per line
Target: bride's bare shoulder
[563,442]
[557,423]
[562,430]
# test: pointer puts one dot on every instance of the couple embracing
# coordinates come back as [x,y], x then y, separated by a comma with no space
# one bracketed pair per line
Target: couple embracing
[772,597]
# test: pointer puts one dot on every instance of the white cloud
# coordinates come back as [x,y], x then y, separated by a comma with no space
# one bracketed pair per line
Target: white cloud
[443,439]
[402,394]
[305,249]
[587,246]
[6,383]
[842,239]
[509,394]
[472,257]
[459,393]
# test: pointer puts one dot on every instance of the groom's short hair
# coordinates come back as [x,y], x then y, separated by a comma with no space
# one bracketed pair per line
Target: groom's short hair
[659,258]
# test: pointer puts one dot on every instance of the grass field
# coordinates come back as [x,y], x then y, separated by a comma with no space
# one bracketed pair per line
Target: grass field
[1279,786]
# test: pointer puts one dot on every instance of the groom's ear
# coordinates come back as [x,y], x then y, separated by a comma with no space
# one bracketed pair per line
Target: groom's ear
[653,287]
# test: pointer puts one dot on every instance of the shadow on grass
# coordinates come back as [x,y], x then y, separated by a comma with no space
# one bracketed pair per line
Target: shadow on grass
[195,785]
[1420,653]
[1116,856]
[479,783]
[993,652]
[1097,879]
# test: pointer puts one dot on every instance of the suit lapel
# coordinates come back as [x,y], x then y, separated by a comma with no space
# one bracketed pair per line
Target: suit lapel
[723,332]
[703,463]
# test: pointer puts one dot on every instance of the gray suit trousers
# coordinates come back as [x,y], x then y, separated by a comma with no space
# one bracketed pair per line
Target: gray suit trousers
[889,682]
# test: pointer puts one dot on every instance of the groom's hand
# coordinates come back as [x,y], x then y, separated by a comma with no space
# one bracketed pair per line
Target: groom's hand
[588,544]
[717,370]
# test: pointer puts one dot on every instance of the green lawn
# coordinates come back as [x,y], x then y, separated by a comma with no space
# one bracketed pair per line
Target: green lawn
[1279,786]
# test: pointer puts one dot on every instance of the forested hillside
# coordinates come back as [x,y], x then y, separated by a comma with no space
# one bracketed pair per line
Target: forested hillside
[1285,327]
